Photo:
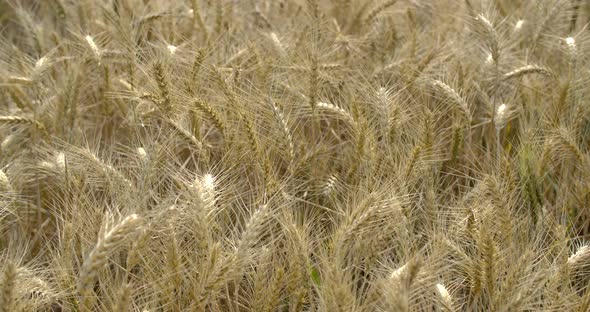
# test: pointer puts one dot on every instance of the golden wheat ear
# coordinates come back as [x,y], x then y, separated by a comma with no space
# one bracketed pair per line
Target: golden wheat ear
[9,279]
[99,255]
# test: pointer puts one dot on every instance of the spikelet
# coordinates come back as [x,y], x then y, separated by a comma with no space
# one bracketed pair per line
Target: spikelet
[94,48]
[398,273]
[445,297]
[571,44]
[277,43]
[41,64]
[141,153]
[330,185]
[208,192]
[580,257]
[4,182]
[501,117]
[518,25]
[171,49]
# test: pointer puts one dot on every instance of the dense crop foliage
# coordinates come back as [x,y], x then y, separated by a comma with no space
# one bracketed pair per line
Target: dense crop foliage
[294,155]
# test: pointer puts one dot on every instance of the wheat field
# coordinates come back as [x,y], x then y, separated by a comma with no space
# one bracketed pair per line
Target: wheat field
[294,155]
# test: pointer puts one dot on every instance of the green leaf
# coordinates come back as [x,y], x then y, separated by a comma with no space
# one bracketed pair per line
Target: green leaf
[315,276]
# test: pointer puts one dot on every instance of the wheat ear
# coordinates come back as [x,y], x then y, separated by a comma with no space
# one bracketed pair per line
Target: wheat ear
[17,120]
[286,132]
[492,35]
[451,93]
[162,81]
[580,257]
[123,299]
[106,168]
[528,69]
[338,111]
[445,297]
[94,48]
[8,285]
[210,114]
[98,257]
[378,10]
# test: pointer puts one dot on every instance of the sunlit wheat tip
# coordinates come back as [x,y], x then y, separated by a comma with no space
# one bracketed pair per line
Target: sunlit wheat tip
[277,42]
[60,160]
[398,272]
[330,185]
[42,61]
[582,253]
[209,181]
[528,69]
[501,116]
[172,49]
[141,153]
[125,84]
[489,59]
[570,41]
[93,47]
[4,182]
[443,293]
